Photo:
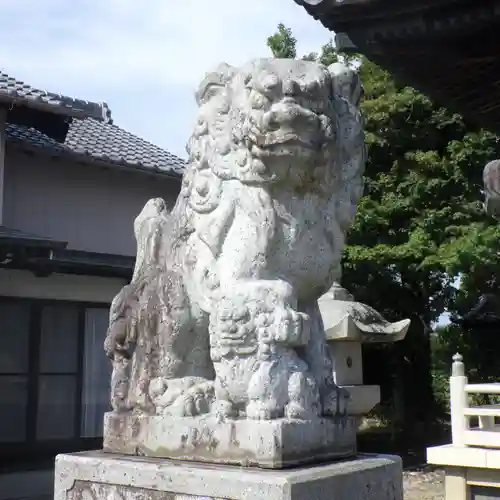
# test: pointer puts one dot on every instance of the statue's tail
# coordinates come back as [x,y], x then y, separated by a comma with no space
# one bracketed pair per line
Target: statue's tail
[347,94]
[149,229]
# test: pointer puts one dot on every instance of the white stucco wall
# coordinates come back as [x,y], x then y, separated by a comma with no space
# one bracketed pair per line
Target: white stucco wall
[90,207]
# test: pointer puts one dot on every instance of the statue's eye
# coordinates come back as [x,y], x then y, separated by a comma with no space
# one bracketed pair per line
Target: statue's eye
[270,82]
[209,91]
[269,85]
[312,89]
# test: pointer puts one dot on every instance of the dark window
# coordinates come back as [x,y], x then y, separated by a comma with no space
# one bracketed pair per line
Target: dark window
[54,376]
[96,373]
[59,339]
[13,403]
[484,493]
[56,407]
[15,332]
[57,373]
[14,367]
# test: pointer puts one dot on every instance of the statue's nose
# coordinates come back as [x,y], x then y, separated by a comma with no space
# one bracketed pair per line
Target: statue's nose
[291,88]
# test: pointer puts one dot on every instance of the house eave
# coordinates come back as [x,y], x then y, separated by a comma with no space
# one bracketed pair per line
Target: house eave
[13,238]
[86,159]
[63,261]
[89,263]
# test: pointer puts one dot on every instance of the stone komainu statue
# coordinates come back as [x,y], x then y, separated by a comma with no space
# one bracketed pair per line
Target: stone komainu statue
[221,314]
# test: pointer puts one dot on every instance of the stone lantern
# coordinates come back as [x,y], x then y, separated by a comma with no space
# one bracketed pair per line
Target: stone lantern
[348,324]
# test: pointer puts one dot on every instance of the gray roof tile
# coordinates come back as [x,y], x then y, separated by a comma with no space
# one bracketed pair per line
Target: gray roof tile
[14,91]
[92,141]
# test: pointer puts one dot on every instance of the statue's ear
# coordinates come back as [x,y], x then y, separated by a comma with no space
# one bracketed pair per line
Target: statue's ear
[491,185]
[491,178]
[214,82]
[346,83]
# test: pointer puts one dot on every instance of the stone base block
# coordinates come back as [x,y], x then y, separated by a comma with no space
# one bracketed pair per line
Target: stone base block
[271,444]
[101,476]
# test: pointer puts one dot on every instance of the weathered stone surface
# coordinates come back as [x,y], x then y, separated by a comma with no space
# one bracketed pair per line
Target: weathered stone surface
[221,316]
[268,444]
[96,475]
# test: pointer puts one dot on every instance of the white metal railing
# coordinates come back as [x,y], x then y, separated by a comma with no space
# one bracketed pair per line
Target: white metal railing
[487,433]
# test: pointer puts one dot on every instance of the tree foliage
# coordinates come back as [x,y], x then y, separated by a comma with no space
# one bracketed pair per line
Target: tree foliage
[420,222]
[282,43]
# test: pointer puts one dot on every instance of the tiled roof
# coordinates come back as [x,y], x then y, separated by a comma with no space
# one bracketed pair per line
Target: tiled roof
[14,91]
[91,136]
[92,141]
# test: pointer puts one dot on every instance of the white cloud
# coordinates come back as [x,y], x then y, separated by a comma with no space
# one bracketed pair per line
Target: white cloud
[144,58]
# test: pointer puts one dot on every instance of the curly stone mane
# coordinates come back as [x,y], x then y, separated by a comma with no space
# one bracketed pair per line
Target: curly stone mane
[227,138]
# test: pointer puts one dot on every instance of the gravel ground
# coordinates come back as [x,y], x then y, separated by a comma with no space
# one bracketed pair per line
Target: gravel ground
[424,483]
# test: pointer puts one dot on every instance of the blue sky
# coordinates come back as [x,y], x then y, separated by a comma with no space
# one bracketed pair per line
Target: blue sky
[144,58]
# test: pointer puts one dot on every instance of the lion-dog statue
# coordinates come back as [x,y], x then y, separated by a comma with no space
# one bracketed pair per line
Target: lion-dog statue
[221,315]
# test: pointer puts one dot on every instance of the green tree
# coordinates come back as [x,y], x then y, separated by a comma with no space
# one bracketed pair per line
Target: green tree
[282,43]
[419,224]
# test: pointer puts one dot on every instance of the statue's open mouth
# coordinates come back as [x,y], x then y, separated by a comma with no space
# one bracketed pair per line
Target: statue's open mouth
[279,139]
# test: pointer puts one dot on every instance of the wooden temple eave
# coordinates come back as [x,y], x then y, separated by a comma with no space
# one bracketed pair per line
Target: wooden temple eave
[447,49]
[392,18]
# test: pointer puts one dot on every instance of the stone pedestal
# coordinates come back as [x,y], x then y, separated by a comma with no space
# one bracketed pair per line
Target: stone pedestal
[271,444]
[97,475]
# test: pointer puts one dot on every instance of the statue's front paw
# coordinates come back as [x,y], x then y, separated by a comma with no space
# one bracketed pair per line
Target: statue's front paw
[296,411]
[263,410]
[187,397]
[304,401]
[188,405]
[224,410]
[203,397]
[196,401]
